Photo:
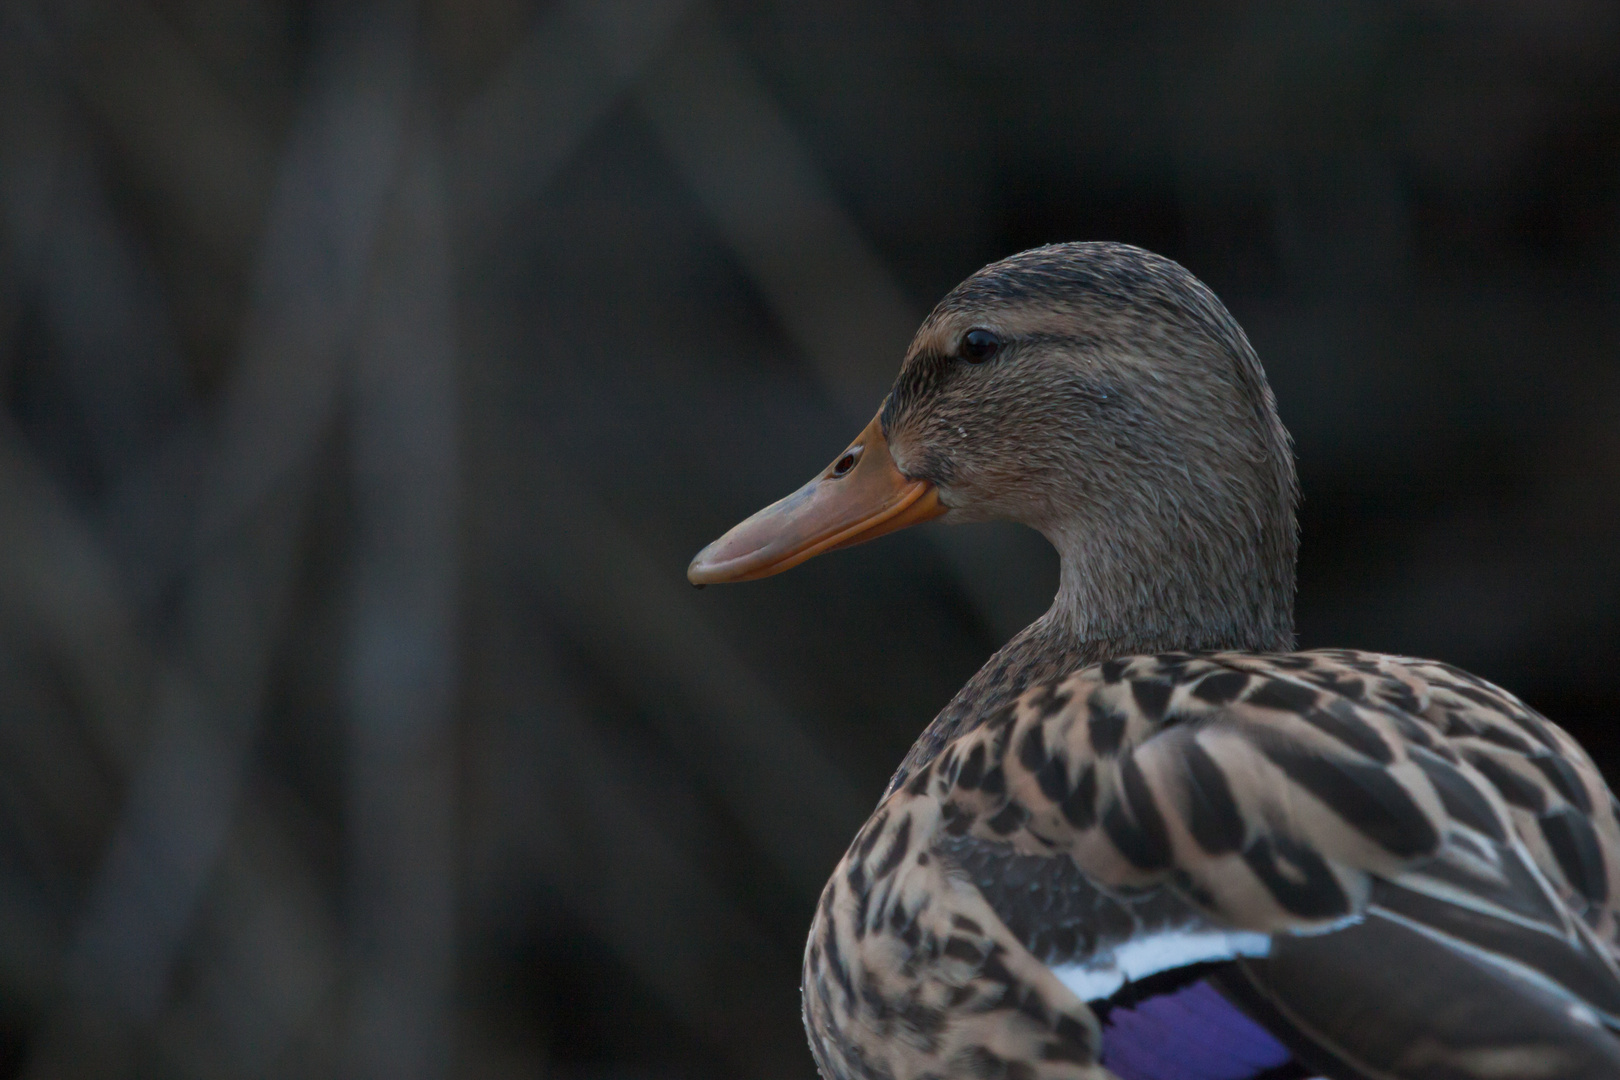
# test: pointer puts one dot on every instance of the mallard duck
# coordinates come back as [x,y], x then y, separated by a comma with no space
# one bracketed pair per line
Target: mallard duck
[1148,839]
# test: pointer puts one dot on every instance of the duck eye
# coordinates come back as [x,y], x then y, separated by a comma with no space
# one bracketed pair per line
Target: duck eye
[979,346]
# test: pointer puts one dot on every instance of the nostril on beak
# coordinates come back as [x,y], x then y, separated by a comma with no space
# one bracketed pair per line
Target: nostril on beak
[842,466]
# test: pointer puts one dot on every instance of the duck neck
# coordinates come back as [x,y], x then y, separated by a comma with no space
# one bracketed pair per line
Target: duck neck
[1122,596]
[1104,619]
[1169,589]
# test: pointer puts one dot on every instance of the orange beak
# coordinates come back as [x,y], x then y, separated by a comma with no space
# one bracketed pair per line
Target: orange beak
[857,498]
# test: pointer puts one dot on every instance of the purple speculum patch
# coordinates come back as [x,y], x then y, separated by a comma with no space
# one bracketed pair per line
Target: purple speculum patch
[1192,1033]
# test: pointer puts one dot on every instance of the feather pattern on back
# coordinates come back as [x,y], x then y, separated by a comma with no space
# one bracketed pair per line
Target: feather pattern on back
[1316,797]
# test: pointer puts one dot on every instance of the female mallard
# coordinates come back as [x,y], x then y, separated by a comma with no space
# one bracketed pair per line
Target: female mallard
[1147,839]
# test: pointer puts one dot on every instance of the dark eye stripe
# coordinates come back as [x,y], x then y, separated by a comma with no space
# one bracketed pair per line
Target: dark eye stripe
[919,379]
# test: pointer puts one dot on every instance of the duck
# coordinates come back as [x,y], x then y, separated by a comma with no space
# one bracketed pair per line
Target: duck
[1150,839]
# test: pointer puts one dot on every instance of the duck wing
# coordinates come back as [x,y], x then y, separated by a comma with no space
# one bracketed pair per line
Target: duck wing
[1394,868]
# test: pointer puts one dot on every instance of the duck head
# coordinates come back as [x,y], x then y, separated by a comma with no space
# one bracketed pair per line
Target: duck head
[1103,396]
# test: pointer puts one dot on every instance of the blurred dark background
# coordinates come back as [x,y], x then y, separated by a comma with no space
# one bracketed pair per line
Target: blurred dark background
[370,371]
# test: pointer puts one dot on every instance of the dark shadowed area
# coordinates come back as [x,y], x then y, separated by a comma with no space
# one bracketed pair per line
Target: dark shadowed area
[369,371]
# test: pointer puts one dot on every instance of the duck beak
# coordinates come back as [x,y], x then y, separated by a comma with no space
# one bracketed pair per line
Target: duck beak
[857,498]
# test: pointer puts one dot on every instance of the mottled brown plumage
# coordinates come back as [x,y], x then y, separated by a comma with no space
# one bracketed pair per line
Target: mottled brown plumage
[1337,791]
[1352,864]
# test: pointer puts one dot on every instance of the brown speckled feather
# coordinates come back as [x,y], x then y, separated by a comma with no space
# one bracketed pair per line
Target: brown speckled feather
[1359,866]
[1280,793]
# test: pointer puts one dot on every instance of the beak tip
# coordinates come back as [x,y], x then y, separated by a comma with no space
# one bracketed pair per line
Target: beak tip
[704,568]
